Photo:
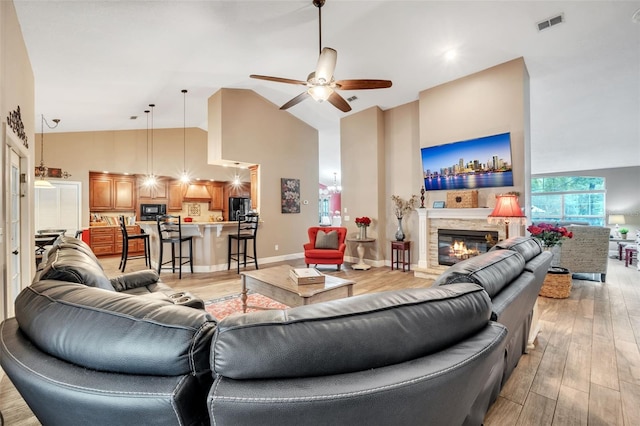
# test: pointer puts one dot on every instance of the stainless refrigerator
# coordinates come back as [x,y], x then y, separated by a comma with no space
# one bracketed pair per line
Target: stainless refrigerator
[238,206]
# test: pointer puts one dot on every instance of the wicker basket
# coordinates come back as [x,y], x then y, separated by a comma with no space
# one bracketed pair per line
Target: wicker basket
[557,283]
[462,199]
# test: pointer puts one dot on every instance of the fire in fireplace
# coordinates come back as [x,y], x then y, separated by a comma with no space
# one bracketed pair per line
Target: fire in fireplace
[455,245]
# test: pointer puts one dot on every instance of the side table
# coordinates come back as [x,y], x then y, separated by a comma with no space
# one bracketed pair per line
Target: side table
[404,248]
[361,265]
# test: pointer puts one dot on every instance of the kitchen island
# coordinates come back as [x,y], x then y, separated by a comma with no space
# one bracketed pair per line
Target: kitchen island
[210,244]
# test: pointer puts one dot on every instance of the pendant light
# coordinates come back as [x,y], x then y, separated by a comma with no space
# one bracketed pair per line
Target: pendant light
[151,178]
[42,170]
[236,178]
[185,176]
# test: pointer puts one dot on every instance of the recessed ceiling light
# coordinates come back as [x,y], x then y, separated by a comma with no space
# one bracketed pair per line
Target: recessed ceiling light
[450,55]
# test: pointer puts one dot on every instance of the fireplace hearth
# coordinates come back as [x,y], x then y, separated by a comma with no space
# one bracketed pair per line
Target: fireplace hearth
[455,245]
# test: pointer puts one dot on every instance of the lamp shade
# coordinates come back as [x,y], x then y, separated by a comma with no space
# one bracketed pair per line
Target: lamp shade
[507,207]
[616,219]
[507,211]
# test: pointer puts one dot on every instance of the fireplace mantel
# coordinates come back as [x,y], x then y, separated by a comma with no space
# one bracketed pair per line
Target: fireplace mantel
[429,218]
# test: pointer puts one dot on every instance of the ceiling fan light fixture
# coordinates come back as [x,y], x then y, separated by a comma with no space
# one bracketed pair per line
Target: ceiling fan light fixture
[320,93]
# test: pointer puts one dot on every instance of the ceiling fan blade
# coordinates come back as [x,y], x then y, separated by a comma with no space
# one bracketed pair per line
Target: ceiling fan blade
[301,97]
[278,79]
[326,65]
[339,102]
[362,84]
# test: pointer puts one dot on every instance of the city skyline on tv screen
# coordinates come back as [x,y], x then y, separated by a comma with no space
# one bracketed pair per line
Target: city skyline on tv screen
[477,163]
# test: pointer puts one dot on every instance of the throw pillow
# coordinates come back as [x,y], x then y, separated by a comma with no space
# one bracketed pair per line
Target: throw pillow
[327,240]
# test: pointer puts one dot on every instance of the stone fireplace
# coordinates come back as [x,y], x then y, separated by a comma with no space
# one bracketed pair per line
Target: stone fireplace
[430,221]
[455,245]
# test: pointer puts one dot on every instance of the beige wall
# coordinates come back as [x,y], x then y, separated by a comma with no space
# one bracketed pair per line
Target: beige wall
[362,153]
[16,89]
[485,103]
[489,102]
[250,129]
[125,151]
[404,168]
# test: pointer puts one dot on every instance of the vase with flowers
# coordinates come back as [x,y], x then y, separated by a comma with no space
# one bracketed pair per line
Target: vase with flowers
[363,223]
[551,236]
[401,208]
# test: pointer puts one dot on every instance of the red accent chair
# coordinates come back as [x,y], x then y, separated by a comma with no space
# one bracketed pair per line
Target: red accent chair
[325,256]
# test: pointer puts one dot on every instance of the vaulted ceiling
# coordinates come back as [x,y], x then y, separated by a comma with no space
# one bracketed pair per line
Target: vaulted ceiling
[99,63]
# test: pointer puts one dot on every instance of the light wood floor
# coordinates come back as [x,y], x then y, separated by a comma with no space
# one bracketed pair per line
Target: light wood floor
[585,369]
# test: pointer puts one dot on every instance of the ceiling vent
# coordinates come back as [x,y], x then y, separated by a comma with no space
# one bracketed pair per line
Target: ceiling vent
[352,98]
[550,22]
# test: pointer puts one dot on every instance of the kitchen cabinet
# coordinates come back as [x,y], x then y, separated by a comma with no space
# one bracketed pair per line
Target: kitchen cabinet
[124,191]
[253,173]
[216,191]
[102,240]
[153,192]
[111,192]
[107,240]
[176,192]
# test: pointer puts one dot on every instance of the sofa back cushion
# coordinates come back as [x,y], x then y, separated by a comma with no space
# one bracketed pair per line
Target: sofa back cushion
[493,270]
[115,332]
[348,335]
[528,247]
[72,264]
[327,240]
[324,235]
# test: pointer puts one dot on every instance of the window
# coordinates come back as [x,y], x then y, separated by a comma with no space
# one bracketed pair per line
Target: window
[568,198]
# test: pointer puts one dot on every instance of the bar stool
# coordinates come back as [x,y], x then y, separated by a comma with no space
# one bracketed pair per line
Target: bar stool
[247,230]
[126,238]
[170,231]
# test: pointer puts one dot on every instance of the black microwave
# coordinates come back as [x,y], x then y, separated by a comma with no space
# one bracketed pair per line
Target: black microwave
[151,211]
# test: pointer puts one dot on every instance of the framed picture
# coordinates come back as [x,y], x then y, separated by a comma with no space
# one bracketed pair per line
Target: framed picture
[290,195]
[438,204]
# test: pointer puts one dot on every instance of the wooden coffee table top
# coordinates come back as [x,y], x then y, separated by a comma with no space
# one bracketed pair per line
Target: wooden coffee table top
[278,276]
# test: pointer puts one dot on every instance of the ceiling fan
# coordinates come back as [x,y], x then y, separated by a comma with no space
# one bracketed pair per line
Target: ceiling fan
[321,84]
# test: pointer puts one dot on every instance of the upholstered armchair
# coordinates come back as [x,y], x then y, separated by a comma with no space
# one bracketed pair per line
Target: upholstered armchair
[326,246]
[587,251]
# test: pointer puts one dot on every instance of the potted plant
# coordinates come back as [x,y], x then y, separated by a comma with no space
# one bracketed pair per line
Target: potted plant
[401,208]
[363,223]
[623,232]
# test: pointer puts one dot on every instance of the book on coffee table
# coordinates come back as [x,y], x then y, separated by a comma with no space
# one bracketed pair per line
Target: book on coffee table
[302,276]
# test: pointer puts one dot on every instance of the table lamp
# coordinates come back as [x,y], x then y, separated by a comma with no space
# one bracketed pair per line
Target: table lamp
[507,210]
[616,219]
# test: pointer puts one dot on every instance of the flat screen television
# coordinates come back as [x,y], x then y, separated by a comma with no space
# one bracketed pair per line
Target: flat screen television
[477,163]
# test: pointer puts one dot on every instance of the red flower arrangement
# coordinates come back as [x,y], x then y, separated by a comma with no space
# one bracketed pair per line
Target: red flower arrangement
[550,235]
[363,221]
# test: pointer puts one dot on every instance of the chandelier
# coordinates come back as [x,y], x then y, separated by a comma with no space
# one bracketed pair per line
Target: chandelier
[42,171]
[332,189]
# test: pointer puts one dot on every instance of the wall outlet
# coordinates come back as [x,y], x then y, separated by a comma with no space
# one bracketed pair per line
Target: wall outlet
[346,218]
[345,209]
[276,247]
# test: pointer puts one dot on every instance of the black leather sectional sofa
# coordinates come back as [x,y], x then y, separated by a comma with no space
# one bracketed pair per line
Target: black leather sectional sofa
[85,349]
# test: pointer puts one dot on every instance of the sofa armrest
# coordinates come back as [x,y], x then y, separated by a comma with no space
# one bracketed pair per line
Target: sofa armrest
[135,279]
[342,247]
[309,246]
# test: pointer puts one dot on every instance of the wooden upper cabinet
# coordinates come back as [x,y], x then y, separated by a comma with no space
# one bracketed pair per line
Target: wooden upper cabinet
[216,190]
[124,193]
[176,191]
[253,170]
[109,192]
[100,192]
[158,191]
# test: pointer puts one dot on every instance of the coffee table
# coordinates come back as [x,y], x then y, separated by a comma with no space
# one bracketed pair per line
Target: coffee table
[275,283]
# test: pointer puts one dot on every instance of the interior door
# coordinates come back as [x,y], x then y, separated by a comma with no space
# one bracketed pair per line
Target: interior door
[14,261]
[59,208]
